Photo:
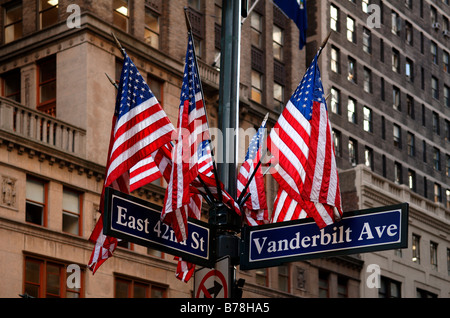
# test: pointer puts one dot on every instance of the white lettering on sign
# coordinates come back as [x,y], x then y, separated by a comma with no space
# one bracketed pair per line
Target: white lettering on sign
[338,236]
[161,230]
[379,231]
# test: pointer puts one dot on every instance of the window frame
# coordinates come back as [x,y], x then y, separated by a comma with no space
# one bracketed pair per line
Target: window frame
[43,271]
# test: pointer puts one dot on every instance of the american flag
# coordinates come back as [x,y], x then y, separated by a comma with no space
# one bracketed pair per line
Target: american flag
[139,128]
[205,162]
[192,131]
[256,206]
[302,144]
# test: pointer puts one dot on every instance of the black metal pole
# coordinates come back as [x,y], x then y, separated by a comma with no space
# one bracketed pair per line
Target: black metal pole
[227,241]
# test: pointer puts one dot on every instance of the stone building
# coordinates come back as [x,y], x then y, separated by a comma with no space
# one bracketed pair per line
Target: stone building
[386,70]
[56,107]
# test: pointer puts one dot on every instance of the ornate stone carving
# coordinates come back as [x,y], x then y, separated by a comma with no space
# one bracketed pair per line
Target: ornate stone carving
[8,194]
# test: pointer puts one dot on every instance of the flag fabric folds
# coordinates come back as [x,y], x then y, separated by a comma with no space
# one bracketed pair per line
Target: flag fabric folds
[255,207]
[192,131]
[139,128]
[296,11]
[303,149]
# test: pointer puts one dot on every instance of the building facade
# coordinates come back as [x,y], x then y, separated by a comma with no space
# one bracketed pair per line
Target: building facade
[56,108]
[386,70]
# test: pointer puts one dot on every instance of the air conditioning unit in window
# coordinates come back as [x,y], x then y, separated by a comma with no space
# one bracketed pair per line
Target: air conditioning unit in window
[446,33]
[436,25]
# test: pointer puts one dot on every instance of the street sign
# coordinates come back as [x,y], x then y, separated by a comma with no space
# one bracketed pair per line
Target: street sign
[358,232]
[213,282]
[138,221]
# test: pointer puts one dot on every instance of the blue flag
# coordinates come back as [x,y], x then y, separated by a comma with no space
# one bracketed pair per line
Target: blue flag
[296,11]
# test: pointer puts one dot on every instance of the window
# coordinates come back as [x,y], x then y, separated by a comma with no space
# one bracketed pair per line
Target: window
[257,28]
[342,288]
[324,286]
[337,142]
[335,57]
[351,32]
[436,159]
[257,85]
[389,288]
[48,13]
[424,151]
[447,96]
[409,33]
[47,279]
[367,124]
[395,23]
[334,18]
[36,201]
[72,203]
[11,85]
[445,62]
[433,49]
[335,101]
[278,95]
[351,110]
[412,180]
[47,86]
[13,22]
[353,151]
[151,34]
[448,260]
[435,87]
[398,176]
[437,193]
[367,41]
[397,136]
[367,80]
[411,144]
[120,14]
[395,61]
[410,106]
[365,6]
[283,278]
[368,158]
[133,288]
[416,248]
[278,42]
[409,69]
[396,98]
[261,276]
[436,126]
[447,166]
[351,75]
[434,255]
[425,294]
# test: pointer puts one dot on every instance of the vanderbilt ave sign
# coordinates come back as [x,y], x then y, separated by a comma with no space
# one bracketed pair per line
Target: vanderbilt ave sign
[360,231]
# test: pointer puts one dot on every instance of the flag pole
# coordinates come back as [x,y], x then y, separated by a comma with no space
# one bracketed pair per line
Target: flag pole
[322,46]
[216,175]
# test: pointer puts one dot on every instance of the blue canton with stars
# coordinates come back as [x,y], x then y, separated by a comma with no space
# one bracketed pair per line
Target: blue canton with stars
[309,90]
[191,80]
[255,143]
[133,90]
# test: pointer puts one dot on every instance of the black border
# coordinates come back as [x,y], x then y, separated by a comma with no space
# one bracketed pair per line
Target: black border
[245,264]
[107,230]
